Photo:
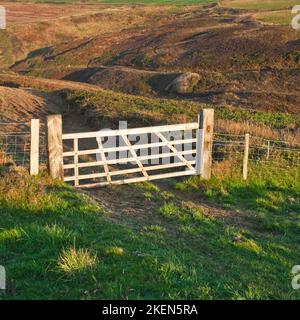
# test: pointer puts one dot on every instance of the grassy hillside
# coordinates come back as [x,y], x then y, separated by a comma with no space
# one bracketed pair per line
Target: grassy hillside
[107,105]
[59,244]
[243,4]
[272,11]
[101,107]
[181,2]
[260,4]
[282,17]
[176,2]
[179,238]
[241,62]
[162,2]
[6,50]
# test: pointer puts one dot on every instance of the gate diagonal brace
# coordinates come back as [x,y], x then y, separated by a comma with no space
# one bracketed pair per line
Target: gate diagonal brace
[174,150]
[106,168]
[132,151]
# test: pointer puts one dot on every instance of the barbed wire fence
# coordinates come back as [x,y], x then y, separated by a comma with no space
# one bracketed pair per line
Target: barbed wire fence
[15,143]
[232,147]
[43,155]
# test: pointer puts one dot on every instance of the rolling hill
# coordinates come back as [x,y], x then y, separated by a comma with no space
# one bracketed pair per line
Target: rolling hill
[241,61]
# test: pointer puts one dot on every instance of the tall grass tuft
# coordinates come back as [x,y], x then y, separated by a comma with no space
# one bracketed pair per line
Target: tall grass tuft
[76,260]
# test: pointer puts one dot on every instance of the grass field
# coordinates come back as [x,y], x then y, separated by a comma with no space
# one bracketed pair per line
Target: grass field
[168,2]
[260,4]
[176,239]
[282,17]
[56,243]
[272,11]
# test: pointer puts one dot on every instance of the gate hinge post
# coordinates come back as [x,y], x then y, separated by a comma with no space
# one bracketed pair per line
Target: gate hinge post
[55,146]
[205,134]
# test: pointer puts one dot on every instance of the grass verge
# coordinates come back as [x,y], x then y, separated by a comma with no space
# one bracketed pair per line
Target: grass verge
[58,244]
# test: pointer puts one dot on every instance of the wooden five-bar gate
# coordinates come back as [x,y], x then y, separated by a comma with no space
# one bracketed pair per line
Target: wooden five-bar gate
[91,159]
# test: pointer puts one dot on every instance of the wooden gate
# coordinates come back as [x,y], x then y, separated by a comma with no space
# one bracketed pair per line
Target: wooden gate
[122,156]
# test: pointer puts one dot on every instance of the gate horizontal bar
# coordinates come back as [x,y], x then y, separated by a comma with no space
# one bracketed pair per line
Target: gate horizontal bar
[126,148]
[125,160]
[128,171]
[141,179]
[119,132]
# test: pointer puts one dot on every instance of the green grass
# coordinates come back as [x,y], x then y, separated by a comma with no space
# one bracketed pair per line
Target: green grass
[282,17]
[260,4]
[58,244]
[105,104]
[271,193]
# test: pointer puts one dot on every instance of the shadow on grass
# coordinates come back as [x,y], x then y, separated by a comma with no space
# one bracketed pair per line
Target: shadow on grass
[61,246]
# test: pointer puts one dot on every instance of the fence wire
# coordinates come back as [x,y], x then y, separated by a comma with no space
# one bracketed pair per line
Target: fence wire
[43,148]
[15,142]
[261,150]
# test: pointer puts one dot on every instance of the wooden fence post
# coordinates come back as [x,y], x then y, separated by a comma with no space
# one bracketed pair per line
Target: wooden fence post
[246,157]
[199,148]
[55,146]
[34,146]
[205,143]
[268,152]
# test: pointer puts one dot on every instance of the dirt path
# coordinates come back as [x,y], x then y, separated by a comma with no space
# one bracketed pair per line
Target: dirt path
[130,204]
[122,203]
[54,104]
[119,201]
[21,105]
[53,84]
[45,84]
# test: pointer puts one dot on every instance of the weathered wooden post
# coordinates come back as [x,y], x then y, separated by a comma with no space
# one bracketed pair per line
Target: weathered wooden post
[268,152]
[55,146]
[246,156]
[34,146]
[205,143]
[2,18]
[199,147]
